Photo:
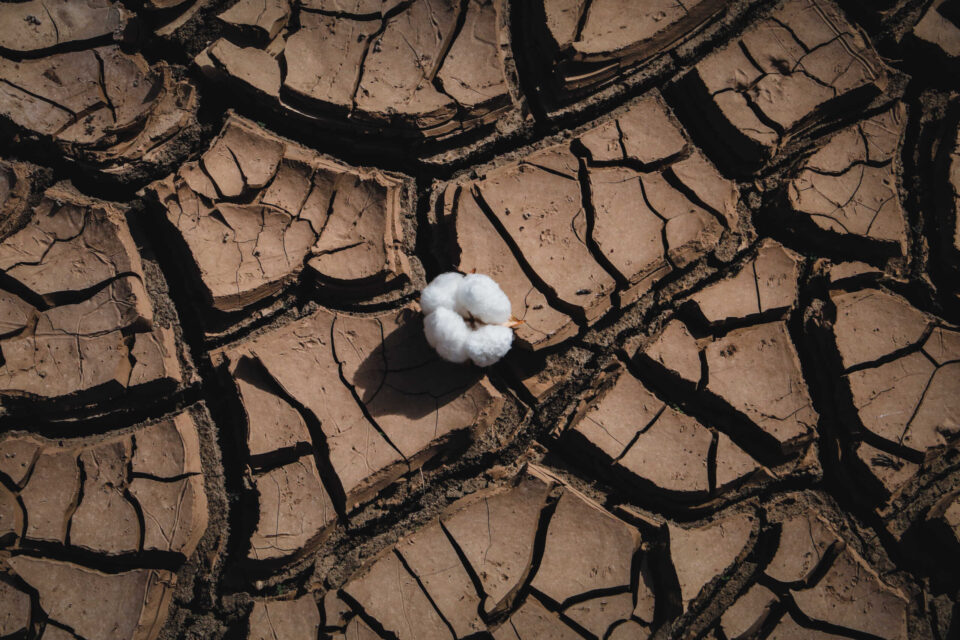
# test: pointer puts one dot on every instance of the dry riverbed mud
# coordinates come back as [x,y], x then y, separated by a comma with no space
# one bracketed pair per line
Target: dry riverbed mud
[731,229]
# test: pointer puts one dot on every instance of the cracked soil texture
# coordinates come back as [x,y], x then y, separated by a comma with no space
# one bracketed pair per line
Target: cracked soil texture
[730,228]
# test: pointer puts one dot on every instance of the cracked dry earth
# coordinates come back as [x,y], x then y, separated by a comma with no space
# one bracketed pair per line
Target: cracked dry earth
[730,228]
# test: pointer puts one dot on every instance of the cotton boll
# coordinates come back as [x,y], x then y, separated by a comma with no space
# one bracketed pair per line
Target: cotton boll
[441,292]
[481,297]
[488,343]
[447,333]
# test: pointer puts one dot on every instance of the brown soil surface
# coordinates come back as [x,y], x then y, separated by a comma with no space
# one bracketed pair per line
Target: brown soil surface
[731,231]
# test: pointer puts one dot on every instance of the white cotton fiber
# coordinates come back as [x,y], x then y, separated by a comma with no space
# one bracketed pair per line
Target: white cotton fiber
[481,297]
[464,318]
[488,343]
[441,292]
[447,333]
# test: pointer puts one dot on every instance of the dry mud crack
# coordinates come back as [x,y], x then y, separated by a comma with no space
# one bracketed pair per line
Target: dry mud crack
[731,230]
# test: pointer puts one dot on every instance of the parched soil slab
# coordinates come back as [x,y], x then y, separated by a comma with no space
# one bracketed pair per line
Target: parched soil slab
[109,111]
[938,30]
[766,285]
[125,495]
[536,558]
[78,324]
[35,27]
[284,619]
[749,613]
[700,555]
[672,457]
[794,70]
[85,515]
[347,404]
[565,227]
[849,186]
[128,604]
[730,355]
[815,586]
[471,565]
[255,210]
[903,371]
[778,401]
[21,185]
[410,70]
[850,595]
[295,510]
[582,46]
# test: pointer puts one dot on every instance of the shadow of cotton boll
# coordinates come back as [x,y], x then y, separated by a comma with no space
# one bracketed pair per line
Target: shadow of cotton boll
[403,375]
